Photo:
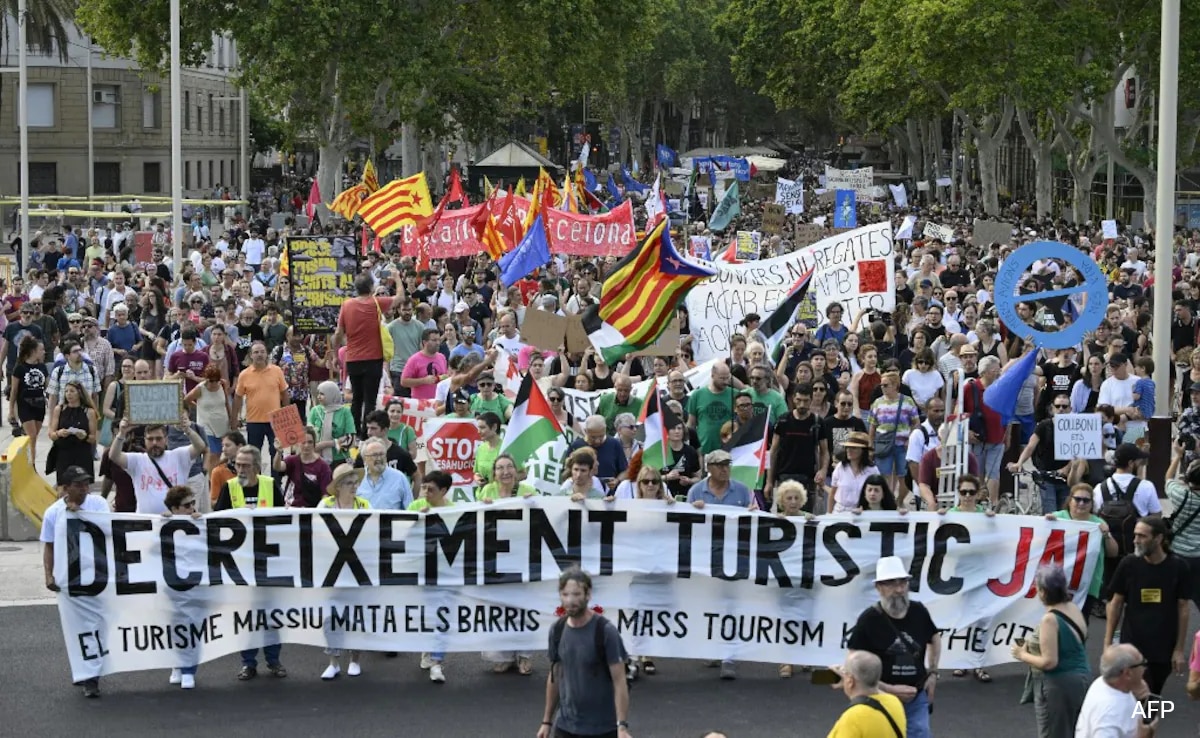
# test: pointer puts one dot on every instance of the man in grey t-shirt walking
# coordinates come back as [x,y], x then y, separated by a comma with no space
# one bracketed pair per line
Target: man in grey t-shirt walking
[590,695]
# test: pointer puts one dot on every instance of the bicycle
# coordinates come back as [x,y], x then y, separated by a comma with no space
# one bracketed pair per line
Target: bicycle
[1025,499]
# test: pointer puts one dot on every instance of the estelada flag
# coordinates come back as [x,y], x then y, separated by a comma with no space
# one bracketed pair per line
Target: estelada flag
[401,202]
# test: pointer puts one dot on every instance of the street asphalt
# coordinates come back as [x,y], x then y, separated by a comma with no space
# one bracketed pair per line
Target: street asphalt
[394,697]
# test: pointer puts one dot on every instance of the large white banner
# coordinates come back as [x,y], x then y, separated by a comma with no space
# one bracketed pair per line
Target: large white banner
[856,268]
[146,592]
[860,180]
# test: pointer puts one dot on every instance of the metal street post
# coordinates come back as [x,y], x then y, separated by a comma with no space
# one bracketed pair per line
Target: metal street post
[23,123]
[176,141]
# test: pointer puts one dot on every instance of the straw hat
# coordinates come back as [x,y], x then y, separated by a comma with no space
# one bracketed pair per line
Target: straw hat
[858,439]
[340,473]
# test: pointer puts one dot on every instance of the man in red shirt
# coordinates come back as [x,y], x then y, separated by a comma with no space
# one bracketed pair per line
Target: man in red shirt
[988,446]
[358,329]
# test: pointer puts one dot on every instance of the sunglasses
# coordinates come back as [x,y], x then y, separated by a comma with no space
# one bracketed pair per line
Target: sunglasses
[743,406]
[1083,500]
[556,399]
[819,388]
[1062,407]
[650,481]
[486,384]
[845,404]
[74,320]
[968,491]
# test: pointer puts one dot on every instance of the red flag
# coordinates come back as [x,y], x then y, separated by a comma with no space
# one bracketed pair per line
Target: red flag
[378,245]
[455,192]
[509,223]
[314,199]
[363,249]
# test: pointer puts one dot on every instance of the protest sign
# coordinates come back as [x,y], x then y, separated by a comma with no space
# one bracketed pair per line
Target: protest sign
[414,415]
[543,329]
[790,195]
[1095,287]
[1109,228]
[943,182]
[450,445]
[1078,436]
[748,244]
[860,180]
[577,336]
[288,426]
[573,234]
[985,232]
[905,231]
[666,344]
[322,270]
[725,166]
[856,268]
[845,209]
[773,218]
[143,246]
[154,402]
[942,233]
[701,247]
[760,191]
[923,186]
[807,233]
[138,592]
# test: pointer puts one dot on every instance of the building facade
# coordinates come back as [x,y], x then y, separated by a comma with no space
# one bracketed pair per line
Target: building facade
[130,123]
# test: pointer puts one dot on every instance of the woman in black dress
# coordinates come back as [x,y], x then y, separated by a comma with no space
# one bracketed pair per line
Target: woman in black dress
[27,399]
[73,430]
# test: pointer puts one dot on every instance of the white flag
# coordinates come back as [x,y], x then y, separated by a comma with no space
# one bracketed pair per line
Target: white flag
[654,203]
[899,195]
[583,155]
[906,228]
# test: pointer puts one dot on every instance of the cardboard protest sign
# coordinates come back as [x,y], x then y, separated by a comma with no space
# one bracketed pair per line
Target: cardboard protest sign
[860,180]
[807,233]
[1109,229]
[773,218]
[543,329]
[1078,436]
[322,270]
[577,335]
[288,426]
[945,234]
[986,232]
[154,402]
[666,345]
[790,195]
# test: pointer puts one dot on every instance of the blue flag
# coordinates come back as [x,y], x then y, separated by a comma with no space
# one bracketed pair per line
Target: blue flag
[631,184]
[589,180]
[613,192]
[1001,397]
[845,209]
[531,253]
[667,157]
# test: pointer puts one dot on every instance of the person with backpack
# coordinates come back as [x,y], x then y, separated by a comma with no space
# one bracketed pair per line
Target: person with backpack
[883,714]
[1184,493]
[1123,498]
[586,692]
[74,368]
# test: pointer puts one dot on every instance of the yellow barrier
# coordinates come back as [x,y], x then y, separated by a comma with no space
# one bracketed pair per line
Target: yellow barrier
[30,493]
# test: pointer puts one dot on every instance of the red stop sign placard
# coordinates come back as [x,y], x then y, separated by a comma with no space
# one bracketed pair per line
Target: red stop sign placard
[450,444]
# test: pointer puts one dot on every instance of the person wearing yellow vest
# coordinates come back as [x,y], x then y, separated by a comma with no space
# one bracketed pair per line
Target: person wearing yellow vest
[250,488]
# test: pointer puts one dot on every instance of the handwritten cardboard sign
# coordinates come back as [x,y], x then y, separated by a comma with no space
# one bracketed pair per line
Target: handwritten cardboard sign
[577,335]
[543,329]
[807,234]
[773,218]
[288,426]
[154,402]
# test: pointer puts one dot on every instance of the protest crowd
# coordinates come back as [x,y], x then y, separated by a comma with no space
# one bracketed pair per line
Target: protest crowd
[801,412]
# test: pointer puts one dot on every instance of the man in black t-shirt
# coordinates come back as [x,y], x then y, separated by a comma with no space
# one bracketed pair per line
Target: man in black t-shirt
[1150,603]
[838,427]
[1041,449]
[902,634]
[795,452]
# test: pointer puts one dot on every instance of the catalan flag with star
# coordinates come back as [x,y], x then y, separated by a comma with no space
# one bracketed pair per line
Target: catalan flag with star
[640,296]
[401,202]
[348,201]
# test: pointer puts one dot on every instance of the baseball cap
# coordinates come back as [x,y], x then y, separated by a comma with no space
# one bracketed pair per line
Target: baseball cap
[718,457]
[1118,360]
[461,307]
[73,474]
[1127,453]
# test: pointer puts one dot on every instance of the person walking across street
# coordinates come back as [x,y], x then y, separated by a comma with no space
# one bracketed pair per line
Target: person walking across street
[902,634]
[586,691]
[872,712]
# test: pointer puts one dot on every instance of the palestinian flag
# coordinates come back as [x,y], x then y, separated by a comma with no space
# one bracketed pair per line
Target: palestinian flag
[748,447]
[775,326]
[532,425]
[657,419]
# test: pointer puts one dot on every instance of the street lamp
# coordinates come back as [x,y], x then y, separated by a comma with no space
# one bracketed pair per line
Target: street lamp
[243,144]
[176,139]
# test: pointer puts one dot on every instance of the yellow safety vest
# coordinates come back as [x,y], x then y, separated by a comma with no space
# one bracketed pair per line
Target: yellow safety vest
[266,492]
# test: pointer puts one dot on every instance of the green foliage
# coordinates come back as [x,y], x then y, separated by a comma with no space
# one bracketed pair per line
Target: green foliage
[48,21]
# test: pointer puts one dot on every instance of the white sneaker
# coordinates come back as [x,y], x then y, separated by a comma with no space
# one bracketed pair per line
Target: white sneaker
[426,661]
[188,681]
[331,672]
[176,675]
[436,674]
[353,669]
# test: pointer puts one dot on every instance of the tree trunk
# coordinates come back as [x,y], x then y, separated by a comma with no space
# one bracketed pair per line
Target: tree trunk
[1039,137]
[936,146]
[685,128]
[411,147]
[989,134]
[912,130]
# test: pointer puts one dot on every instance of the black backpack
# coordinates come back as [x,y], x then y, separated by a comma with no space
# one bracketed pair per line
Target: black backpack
[1118,511]
[556,633]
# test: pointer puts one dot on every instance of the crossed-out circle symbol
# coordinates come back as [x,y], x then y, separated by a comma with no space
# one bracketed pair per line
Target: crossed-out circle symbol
[1094,287]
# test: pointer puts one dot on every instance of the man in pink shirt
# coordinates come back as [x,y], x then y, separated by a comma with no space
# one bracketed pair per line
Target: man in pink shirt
[425,369]
[188,363]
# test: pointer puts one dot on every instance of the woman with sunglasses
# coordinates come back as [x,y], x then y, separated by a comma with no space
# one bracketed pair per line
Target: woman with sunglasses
[558,405]
[648,485]
[970,487]
[181,500]
[1079,508]
[1059,673]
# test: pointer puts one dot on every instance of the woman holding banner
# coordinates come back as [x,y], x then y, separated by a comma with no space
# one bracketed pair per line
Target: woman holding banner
[341,494]
[853,468]
[189,605]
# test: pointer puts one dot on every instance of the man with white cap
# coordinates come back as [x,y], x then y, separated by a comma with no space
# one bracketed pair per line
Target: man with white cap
[902,634]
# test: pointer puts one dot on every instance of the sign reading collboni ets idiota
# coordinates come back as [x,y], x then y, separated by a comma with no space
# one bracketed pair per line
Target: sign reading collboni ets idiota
[322,270]
[142,592]
[856,268]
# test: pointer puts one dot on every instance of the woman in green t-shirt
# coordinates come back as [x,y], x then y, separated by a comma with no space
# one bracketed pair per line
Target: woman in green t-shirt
[399,432]
[504,482]
[1079,507]
[969,489]
[488,425]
